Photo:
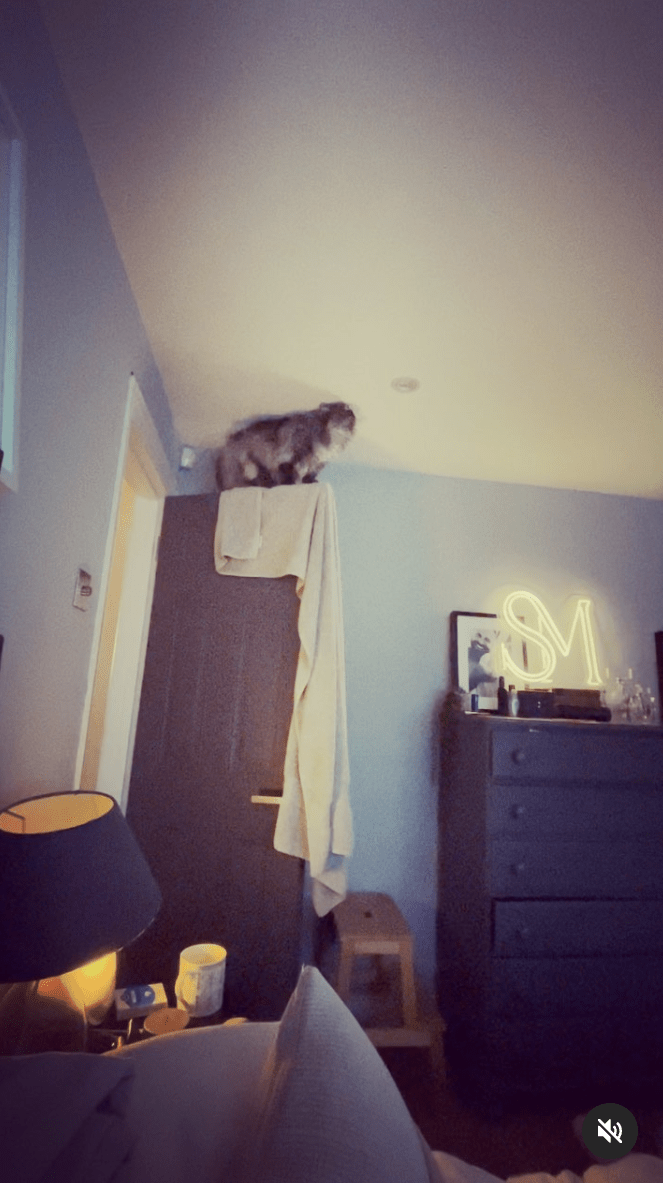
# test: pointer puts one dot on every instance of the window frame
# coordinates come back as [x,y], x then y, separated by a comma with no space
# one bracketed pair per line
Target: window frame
[12,232]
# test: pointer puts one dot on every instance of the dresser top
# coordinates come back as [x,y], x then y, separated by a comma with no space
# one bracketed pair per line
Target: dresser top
[483,718]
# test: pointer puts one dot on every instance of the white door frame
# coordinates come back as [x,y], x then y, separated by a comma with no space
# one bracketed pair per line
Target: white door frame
[143,464]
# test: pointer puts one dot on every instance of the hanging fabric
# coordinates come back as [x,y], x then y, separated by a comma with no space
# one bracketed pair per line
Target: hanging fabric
[292,530]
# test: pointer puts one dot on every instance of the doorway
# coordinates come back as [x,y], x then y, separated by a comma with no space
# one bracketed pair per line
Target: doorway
[142,482]
[207,773]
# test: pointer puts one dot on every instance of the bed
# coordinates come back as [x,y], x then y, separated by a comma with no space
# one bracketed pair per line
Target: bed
[305,1100]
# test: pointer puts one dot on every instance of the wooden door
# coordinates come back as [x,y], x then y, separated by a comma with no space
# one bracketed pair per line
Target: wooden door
[212,729]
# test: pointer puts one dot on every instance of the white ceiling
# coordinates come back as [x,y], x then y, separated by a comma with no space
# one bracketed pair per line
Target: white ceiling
[315,197]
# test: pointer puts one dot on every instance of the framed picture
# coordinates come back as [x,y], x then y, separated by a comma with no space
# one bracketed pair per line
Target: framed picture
[476,655]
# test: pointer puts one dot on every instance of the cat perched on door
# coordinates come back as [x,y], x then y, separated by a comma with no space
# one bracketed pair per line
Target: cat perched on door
[284,449]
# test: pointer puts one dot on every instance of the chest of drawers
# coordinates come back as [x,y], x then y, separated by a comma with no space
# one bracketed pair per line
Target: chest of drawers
[550,918]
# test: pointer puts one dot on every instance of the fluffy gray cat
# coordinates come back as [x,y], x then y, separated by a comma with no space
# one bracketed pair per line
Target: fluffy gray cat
[284,449]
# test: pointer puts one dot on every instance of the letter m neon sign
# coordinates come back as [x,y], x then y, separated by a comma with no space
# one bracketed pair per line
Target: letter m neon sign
[547,637]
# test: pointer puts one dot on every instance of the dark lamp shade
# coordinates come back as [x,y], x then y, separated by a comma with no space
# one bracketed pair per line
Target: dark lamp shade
[74,884]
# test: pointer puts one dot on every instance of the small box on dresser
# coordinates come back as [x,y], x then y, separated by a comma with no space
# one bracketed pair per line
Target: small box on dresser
[550,933]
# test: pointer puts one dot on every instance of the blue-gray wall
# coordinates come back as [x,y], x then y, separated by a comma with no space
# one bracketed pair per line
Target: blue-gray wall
[82,338]
[413,550]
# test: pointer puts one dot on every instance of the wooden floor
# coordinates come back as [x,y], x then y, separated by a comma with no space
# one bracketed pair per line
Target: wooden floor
[537,1137]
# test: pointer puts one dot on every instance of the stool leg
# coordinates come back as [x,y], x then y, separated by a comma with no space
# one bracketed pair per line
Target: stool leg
[438,1060]
[346,956]
[409,992]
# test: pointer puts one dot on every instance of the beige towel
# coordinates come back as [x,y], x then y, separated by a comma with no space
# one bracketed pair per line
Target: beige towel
[299,537]
[238,525]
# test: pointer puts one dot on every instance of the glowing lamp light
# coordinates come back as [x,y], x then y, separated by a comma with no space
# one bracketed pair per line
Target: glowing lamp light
[549,639]
[88,989]
[74,888]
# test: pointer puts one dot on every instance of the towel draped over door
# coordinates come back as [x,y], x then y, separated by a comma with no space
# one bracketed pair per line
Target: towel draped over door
[292,530]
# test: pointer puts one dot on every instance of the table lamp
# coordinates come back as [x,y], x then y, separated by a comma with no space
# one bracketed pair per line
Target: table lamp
[74,889]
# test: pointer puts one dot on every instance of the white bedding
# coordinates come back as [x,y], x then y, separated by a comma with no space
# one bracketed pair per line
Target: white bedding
[633,1168]
[306,1100]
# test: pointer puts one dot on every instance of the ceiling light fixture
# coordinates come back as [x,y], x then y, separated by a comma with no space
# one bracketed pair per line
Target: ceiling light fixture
[405,385]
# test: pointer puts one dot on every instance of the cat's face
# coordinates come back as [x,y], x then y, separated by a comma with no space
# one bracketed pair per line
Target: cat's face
[339,417]
[338,438]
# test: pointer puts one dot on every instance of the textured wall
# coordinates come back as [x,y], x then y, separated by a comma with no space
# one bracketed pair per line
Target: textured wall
[82,338]
[413,550]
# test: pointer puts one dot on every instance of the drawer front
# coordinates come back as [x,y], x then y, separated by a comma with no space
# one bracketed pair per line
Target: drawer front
[577,928]
[515,811]
[565,752]
[541,1055]
[529,988]
[575,869]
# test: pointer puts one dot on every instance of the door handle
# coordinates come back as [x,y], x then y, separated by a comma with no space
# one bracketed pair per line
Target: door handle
[263,799]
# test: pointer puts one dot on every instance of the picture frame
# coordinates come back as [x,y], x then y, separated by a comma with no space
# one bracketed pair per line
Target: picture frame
[476,656]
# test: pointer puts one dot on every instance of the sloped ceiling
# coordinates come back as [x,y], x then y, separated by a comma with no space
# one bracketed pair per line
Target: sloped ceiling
[313,198]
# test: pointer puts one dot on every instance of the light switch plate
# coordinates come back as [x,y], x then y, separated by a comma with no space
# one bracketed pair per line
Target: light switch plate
[83,589]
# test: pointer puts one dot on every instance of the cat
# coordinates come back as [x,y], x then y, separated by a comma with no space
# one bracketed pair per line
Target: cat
[284,449]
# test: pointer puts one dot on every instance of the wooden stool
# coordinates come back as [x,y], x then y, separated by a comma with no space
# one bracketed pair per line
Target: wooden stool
[370,924]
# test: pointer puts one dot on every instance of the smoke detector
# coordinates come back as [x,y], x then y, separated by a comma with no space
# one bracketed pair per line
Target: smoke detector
[405,385]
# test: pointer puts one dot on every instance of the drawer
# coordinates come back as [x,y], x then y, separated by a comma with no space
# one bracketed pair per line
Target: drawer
[512,1058]
[639,1049]
[575,869]
[577,753]
[560,811]
[577,928]
[529,988]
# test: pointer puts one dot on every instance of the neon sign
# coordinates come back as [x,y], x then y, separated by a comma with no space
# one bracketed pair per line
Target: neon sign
[549,639]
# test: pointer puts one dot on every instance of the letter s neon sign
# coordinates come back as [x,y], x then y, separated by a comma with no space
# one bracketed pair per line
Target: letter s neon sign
[549,639]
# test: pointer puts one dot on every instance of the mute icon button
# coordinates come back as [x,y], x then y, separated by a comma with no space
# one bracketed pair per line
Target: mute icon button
[609,1131]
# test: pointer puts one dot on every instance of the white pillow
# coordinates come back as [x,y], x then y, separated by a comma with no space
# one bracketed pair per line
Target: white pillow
[193,1102]
[330,1108]
[64,1118]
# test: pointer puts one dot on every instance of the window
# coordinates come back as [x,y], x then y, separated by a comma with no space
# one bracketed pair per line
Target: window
[12,162]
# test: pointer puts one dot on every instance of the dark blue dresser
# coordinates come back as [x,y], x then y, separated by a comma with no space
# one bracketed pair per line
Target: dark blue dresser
[550,922]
